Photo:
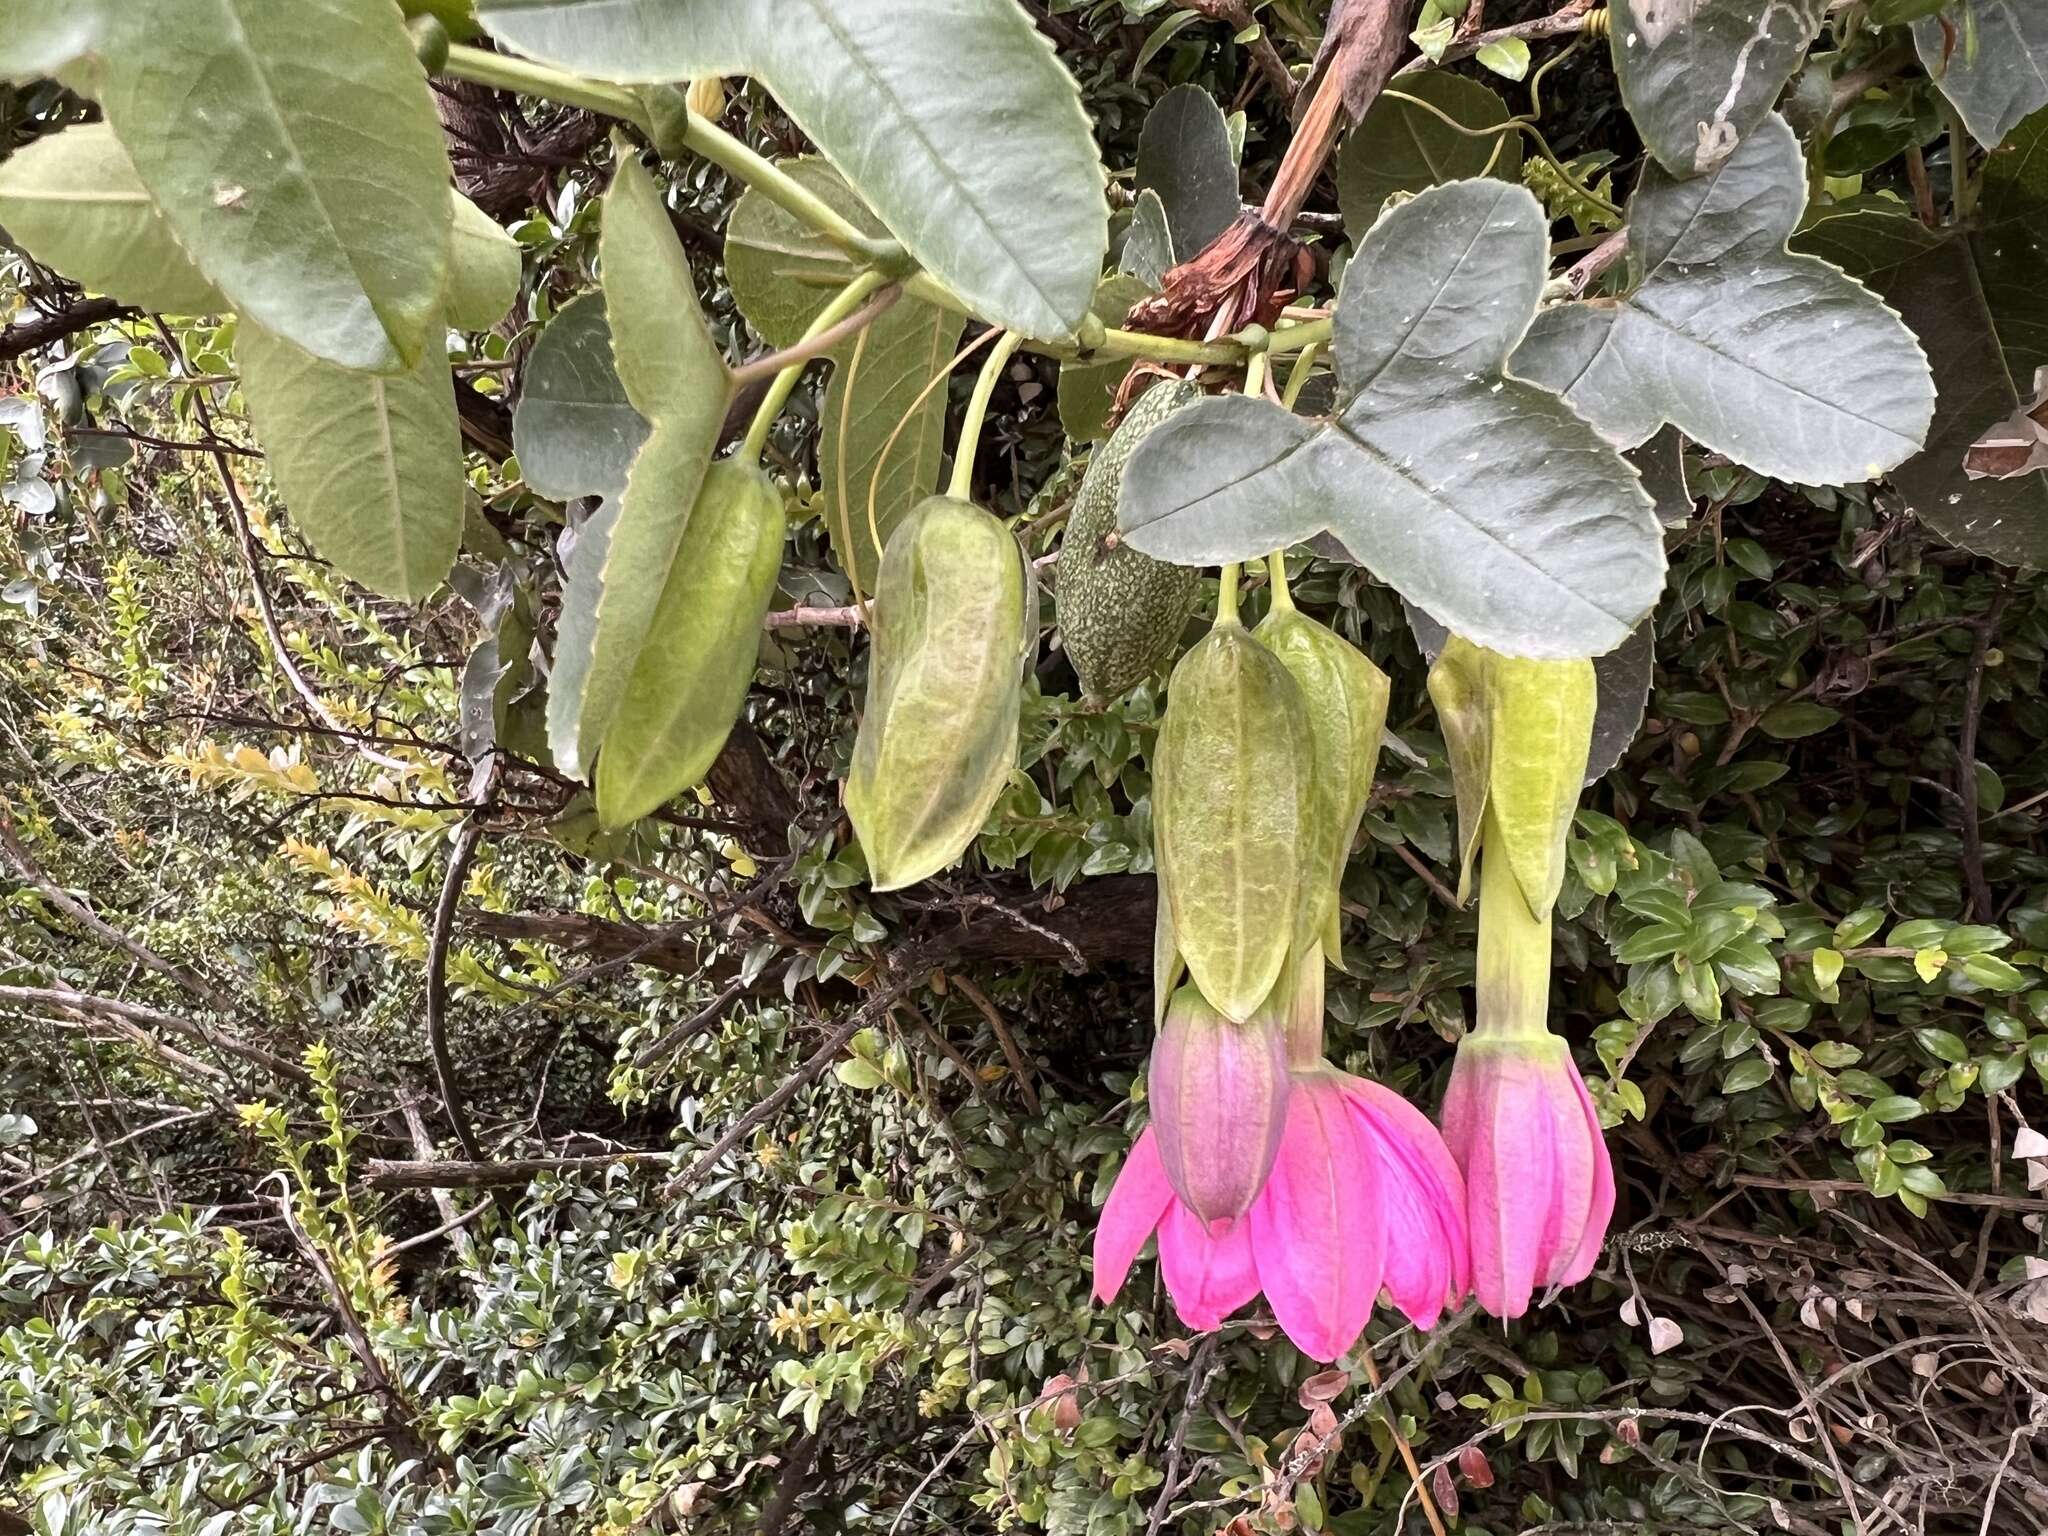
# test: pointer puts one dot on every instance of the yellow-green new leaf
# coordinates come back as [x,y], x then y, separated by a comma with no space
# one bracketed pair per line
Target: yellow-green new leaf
[369,465]
[295,152]
[675,377]
[698,660]
[74,202]
[1457,686]
[1540,718]
[484,268]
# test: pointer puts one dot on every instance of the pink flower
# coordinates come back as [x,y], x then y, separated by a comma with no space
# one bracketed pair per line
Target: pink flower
[1219,1102]
[1539,1185]
[1362,1194]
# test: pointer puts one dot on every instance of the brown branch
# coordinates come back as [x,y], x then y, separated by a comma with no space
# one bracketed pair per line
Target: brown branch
[815,618]
[1567,22]
[141,1020]
[1361,46]
[877,1004]
[510,1173]
[1004,1038]
[19,340]
[673,1039]
[481,785]
[24,865]
[1591,267]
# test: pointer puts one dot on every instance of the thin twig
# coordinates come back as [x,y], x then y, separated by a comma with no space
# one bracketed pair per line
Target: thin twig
[1568,22]
[141,1020]
[1004,1038]
[1236,15]
[849,617]
[762,369]
[1429,876]
[1982,908]
[1202,1370]
[506,1173]
[481,785]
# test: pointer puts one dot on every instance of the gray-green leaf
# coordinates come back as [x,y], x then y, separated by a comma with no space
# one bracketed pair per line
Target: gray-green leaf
[73,200]
[484,269]
[574,430]
[1485,500]
[675,377]
[294,151]
[1088,389]
[1148,252]
[1698,75]
[951,118]
[1998,74]
[1402,147]
[1184,155]
[1778,361]
[369,465]
[1977,300]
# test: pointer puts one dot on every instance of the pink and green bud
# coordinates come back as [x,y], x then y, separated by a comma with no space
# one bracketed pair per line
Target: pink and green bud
[1219,1098]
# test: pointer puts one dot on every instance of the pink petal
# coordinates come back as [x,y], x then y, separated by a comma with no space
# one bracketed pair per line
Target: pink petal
[1140,1197]
[1429,1254]
[1498,1129]
[1208,1277]
[1600,1213]
[1317,1230]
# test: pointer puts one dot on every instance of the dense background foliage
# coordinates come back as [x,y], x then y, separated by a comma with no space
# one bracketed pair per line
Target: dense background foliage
[1806,970]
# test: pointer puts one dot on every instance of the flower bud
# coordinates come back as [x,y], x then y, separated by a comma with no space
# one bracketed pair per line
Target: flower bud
[1219,1102]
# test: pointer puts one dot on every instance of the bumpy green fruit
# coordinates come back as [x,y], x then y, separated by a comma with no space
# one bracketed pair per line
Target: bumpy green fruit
[693,671]
[945,683]
[1121,613]
[1346,698]
[1229,788]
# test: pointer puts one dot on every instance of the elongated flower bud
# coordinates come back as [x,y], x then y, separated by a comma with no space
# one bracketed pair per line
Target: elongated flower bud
[1219,1101]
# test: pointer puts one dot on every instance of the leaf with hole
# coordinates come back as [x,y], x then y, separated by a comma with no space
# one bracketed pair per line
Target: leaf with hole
[295,153]
[951,118]
[882,437]
[1779,361]
[1698,76]
[1483,499]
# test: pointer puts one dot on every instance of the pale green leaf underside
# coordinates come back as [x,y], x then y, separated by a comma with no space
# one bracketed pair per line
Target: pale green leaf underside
[295,152]
[782,276]
[676,378]
[73,201]
[1698,76]
[369,465]
[1998,73]
[40,37]
[484,269]
[1485,500]
[1781,362]
[952,118]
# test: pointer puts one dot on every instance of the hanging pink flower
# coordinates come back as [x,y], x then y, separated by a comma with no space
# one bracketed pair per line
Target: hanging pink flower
[1207,1074]
[1362,1195]
[1538,1180]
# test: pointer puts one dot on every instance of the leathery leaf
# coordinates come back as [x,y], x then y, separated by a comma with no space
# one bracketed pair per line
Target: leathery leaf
[938,737]
[1233,772]
[1346,699]
[691,678]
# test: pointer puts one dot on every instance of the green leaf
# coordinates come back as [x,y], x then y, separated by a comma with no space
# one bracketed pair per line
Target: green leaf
[675,377]
[1778,361]
[574,430]
[484,268]
[1698,76]
[1827,970]
[369,465]
[1401,146]
[952,119]
[1148,244]
[74,202]
[1977,301]
[697,662]
[42,37]
[1508,58]
[1997,74]
[1750,1072]
[1184,155]
[778,269]
[1943,1045]
[1895,1108]
[295,153]
[1087,393]
[1796,718]
[1483,500]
